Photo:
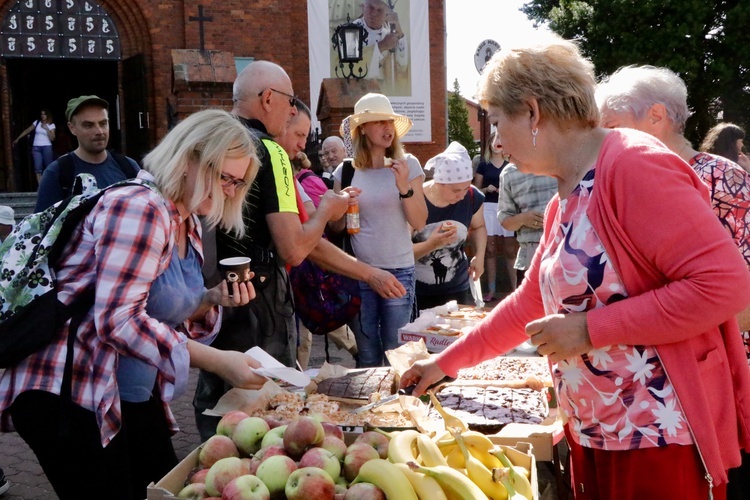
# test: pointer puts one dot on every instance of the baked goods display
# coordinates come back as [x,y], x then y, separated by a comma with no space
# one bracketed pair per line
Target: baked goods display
[488,409]
[359,386]
[288,406]
[508,368]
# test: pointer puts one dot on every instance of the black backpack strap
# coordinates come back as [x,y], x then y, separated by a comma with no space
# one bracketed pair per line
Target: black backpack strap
[347,174]
[122,161]
[66,176]
[304,175]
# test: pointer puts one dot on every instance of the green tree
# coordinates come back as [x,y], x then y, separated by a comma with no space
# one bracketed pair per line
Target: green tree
[459,129]
[701,40]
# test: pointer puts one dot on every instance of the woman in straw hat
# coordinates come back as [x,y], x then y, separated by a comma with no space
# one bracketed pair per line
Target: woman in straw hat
[633,307]
[387,184]
[454,216]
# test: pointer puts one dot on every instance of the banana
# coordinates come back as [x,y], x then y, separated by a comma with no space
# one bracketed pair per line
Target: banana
[479,474]
[402,447]
[455,458]
[488,459]
[388,478]
[502,476]
[455,485]
[520,482]
[429,451]
[426,487]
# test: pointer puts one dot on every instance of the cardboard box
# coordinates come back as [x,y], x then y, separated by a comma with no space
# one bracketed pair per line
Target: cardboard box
[543,437]
[434,343]
[170,485]
[523,454]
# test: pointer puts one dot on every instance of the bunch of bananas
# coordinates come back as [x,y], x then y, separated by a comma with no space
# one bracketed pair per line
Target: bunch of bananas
[457,465]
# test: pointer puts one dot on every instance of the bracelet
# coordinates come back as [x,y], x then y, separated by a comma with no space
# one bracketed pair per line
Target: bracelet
[408,194]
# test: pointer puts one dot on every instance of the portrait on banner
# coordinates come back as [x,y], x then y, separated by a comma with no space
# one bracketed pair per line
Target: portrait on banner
[386,52]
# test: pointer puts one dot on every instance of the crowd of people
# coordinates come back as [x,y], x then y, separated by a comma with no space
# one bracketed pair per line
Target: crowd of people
[621,241]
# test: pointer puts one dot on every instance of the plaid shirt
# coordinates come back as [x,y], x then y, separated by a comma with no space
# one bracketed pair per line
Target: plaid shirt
[121,247]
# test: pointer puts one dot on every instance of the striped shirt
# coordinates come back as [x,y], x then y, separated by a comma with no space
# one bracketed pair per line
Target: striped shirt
[121,247]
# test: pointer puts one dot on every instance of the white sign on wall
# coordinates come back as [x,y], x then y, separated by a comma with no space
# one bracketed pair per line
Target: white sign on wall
[484,53]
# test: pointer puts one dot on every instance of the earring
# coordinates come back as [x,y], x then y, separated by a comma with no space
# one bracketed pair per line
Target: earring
[534,133]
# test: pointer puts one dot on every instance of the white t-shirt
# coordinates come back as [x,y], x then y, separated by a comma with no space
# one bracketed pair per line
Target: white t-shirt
[384,238]
[40,135]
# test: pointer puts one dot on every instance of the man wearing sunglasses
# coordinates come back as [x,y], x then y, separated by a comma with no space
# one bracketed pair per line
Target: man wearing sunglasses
[275,237]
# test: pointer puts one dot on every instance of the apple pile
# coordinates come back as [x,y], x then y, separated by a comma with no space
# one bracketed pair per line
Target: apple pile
[254,458]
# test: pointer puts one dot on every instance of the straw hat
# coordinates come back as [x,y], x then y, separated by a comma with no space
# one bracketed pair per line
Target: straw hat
[374,108]
[452,166]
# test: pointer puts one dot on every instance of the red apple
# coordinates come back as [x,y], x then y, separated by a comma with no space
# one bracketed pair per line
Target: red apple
[198,476]
[302,434]
[310,483]
[246,488]
[274,472]
[322,459]
[332,429]
[216,448]
[248,434]
[364,491]
[229,421]
[195,491]
[376,440]
[271,451]
[356,455]
[335,446]
[273,422]
[222,473]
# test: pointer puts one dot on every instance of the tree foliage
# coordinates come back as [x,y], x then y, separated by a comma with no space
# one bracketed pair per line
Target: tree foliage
[704,41]
[459,129]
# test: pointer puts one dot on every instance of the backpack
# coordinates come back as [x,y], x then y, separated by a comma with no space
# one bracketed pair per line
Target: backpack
[30,312]
[323,300]
[67,170]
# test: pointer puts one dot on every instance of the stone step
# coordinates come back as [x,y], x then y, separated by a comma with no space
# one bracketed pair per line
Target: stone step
[22,203]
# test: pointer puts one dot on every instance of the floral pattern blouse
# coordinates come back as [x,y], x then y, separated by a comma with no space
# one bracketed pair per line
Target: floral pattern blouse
[617,397]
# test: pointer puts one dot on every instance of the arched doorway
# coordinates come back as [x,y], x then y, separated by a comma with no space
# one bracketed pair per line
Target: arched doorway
[55,50]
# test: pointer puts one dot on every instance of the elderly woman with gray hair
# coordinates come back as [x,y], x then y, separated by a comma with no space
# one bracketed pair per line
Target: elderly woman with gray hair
[631,294]
[454,217]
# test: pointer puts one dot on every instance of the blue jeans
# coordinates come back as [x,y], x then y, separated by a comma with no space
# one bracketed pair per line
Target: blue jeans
[42,157]
[376,327]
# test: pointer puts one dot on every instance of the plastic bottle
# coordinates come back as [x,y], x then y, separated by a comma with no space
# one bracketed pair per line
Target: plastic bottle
[352,218]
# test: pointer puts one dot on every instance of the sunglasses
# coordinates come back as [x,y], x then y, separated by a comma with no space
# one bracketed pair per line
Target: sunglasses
[292,98]
[228,180]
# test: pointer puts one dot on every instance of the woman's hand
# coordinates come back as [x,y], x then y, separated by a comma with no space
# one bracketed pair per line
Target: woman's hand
[236,368]
[476,268]
[490,189]
[424,373]
[400,171]
[441,238]
[560,336]
[242,293]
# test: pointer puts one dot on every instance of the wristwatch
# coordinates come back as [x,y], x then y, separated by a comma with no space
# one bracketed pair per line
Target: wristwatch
[408,194]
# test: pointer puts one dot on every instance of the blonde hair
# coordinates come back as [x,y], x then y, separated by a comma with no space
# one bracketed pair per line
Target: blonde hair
[362,154]
[554,73]
[207,138]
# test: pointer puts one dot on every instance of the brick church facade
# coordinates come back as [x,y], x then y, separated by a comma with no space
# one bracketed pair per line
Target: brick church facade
[143,57]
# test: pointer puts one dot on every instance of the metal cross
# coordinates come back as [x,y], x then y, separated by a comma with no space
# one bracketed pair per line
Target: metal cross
[201,19]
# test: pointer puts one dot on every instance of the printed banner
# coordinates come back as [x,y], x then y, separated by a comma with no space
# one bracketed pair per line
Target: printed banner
[402,71]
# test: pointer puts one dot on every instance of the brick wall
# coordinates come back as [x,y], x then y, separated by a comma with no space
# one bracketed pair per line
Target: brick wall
[275,30]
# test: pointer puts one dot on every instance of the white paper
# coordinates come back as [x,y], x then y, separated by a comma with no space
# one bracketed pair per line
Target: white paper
[272,368]
[476,292]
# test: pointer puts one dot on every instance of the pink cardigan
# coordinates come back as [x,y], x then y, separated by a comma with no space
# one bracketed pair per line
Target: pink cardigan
[684,276]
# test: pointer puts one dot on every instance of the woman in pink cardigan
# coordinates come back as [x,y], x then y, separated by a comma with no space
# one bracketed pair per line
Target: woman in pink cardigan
[631,294]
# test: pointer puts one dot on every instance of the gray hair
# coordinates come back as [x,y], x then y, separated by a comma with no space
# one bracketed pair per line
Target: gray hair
[634,89]
[334,139]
